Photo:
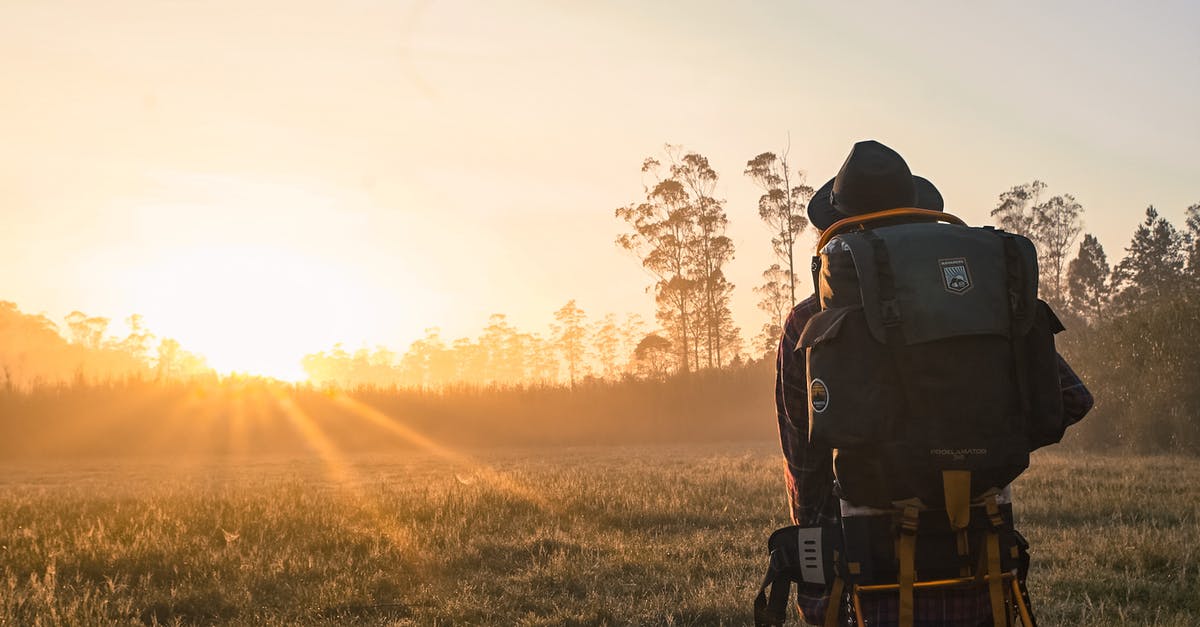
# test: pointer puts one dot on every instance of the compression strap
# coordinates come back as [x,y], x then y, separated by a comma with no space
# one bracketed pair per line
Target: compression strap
[908,557]
[834,609]
[956,489]
[995,589]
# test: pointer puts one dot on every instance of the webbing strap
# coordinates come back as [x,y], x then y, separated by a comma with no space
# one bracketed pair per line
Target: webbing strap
[772,610]
[835,603]
[1014,274]
[964,550]
[891,316]
[908,557]
[815,267]
[995,587]
[956,488]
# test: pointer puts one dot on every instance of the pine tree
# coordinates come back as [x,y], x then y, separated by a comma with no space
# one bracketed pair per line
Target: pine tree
[1193,254]
[1153,264]
[570,334]
[1088,279]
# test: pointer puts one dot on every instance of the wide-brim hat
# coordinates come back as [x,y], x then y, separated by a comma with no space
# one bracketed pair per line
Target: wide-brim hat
[873,178]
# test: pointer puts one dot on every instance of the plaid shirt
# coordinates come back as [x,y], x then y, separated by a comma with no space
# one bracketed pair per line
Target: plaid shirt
[809,478]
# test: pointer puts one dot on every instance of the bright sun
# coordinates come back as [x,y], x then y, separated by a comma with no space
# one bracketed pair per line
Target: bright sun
[250,309]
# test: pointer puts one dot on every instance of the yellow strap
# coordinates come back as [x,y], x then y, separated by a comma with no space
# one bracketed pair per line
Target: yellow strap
[956,487]
[835,603]
[908,556]
[995,590]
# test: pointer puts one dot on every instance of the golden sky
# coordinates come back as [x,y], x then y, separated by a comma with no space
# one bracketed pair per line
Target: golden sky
[262,179]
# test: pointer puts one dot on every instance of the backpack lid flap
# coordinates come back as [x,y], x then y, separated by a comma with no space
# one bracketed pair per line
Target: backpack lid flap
[949,281]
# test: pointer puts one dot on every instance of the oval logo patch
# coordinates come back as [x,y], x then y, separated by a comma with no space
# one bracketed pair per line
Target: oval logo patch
[818,395]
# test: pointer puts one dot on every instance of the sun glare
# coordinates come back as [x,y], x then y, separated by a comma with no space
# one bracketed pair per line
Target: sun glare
[250,309]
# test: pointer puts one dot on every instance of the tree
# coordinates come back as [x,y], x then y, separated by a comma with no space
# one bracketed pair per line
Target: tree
[679,234]
[427,362]
[652,356]
[633,329]
[470,361]
[1015,213]
[663,228]
[1153,264]
[570,335]
[1053,226]
[1193,255]
[782,207]
[711,250]
[543,365]
[137,342]
[175,363]
[776,303]
[1088,279]
[87,331]
[606,340]
[1056,225]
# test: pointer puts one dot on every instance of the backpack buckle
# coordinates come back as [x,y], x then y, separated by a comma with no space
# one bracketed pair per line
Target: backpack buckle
[909,519]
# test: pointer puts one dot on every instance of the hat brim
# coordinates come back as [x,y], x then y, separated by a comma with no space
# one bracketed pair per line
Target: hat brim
[822,214]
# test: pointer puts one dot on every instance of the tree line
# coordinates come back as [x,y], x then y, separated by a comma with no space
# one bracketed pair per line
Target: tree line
[36,351]
[572,350]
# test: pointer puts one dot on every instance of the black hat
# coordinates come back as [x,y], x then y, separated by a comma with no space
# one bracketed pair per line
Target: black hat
[873,178]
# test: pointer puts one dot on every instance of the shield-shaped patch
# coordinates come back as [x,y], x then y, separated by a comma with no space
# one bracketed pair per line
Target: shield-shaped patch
[956,278]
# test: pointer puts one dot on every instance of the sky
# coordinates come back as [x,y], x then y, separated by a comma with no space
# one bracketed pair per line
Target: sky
[261,180]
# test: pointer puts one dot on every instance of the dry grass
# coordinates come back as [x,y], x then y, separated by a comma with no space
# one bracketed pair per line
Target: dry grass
[647,536]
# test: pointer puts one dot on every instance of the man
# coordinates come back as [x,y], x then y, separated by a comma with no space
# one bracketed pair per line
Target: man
[864,185]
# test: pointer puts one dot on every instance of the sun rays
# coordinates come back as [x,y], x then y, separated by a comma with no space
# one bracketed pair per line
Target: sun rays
[485,473]
[341,471]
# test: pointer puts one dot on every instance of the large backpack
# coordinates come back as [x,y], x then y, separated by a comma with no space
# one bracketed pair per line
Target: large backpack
[932,374]
[931,353]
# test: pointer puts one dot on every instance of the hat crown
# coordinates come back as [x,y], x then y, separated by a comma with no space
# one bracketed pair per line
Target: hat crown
[873,178]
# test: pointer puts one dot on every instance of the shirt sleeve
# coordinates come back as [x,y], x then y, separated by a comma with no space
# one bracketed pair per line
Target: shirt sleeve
[809,469]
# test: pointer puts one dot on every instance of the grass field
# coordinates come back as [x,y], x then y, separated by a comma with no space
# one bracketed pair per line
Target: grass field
[645,536]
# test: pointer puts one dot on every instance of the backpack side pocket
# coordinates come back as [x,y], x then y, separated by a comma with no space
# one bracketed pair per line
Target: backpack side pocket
[854,397]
